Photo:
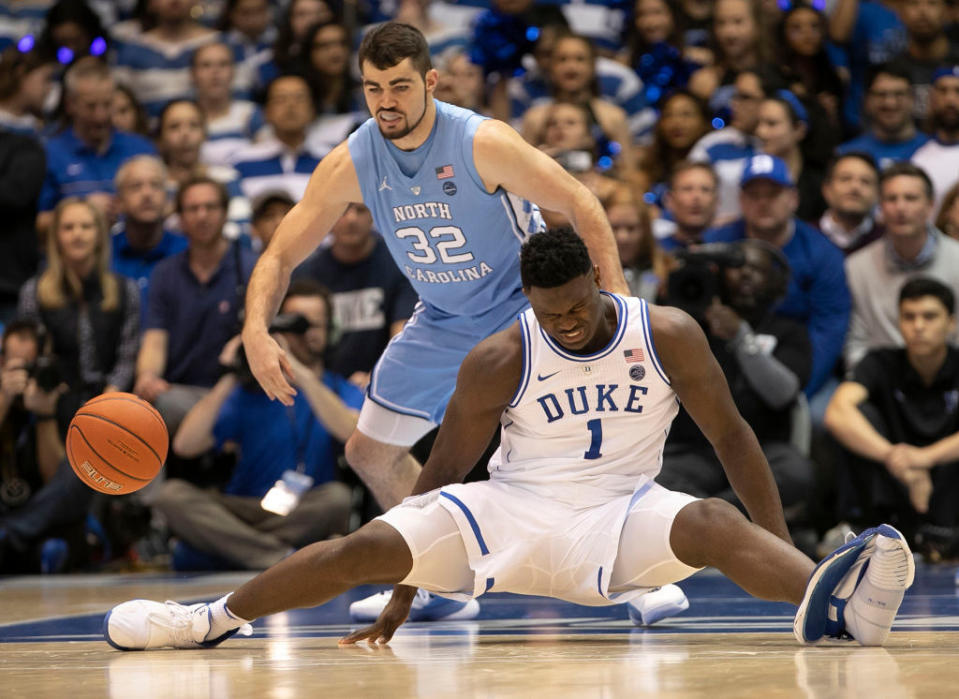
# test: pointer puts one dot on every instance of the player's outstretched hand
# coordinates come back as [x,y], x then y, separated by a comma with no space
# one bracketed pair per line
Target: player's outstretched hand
[268,361]
[390,619]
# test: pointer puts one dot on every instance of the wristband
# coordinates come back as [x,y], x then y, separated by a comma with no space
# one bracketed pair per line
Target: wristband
[41,417]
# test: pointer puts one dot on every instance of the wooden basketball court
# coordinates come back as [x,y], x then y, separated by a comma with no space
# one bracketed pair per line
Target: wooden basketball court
[726,644]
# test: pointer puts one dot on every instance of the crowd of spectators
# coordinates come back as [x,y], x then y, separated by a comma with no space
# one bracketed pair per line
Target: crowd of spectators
[787,172]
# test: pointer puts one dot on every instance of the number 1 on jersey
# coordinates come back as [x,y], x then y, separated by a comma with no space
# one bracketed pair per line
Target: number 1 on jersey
[595,428]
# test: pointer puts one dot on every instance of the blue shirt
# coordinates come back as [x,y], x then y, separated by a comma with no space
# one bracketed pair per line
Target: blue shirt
[877,36]
[457,243]
[274,437]
[75,170]
[138,264]
[817,296]
[198,317]
[885,152]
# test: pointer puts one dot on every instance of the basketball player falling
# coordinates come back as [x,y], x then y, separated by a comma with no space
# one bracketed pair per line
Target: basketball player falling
[571,509]
[454,195]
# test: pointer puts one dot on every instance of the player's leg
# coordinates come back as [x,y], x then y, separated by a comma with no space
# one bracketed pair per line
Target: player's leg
[388,470]
[714,533]
[376,553]
[856,590]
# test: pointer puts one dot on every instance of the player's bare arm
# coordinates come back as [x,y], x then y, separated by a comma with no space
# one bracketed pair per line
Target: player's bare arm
[701,386]
[487,381]
[504,159]
[332,187]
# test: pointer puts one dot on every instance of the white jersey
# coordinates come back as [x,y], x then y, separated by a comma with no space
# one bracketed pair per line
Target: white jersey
[585,428]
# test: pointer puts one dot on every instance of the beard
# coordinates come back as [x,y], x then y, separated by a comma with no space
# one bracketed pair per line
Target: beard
[402,133]
[946,120]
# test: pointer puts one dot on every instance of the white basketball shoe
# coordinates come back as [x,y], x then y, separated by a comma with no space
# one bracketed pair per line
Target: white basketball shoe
[426,607]
[856,591]
[141,625]
[657,604]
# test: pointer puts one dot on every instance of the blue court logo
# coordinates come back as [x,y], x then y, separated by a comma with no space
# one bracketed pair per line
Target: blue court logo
[637,372]
[449,188]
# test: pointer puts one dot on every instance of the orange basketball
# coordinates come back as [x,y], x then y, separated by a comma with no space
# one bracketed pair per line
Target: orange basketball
[117,443]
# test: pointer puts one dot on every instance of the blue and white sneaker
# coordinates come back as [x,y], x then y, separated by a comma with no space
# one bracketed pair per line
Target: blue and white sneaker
[426,607]
[856,591]
[657,604]
[141,625]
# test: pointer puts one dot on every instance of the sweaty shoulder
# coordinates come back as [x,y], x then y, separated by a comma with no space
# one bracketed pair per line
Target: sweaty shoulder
[675,337]
[493,369]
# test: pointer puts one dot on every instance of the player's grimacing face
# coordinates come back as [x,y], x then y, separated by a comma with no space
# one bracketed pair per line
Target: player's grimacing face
[572,313]
[397,96]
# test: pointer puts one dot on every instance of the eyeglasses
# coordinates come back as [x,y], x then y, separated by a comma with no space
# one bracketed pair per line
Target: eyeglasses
[743,97]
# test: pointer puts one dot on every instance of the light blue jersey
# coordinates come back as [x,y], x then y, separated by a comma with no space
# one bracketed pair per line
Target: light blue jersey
[459,247]
[458,244]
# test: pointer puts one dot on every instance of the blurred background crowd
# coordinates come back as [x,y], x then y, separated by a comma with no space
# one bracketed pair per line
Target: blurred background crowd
[786,172]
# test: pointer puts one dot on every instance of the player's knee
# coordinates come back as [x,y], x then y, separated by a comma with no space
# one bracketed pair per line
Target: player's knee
[375,553]
[701,529]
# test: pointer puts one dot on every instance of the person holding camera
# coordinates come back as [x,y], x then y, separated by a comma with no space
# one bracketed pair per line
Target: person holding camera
[818,295]
[765,357]
[282,493]
[42,503]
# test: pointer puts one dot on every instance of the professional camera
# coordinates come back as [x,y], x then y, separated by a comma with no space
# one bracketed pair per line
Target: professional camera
[699,278]
[45,370]
[284,323]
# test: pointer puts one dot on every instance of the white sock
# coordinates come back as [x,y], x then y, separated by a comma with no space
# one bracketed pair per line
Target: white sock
[222,619]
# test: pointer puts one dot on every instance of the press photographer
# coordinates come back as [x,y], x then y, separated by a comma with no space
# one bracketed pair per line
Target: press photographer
[731,290]
[281,494]
[42,503]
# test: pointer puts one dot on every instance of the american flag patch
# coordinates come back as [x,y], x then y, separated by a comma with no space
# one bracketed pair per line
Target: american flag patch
[634,355]
[444,173]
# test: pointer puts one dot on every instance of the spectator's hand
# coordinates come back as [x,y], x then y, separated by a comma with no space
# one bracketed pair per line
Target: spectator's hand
[13,380]
[920,490]
[360,378]
[723,321]
[390,619]
[228,353]
[299,372]
[42,402]
[268,362]
[148,386]
[106,203]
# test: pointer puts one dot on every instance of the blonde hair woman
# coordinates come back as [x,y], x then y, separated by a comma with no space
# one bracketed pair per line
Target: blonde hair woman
[91,314]
[645,265]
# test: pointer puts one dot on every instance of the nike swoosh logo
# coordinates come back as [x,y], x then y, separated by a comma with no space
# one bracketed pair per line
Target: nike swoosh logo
[540,377]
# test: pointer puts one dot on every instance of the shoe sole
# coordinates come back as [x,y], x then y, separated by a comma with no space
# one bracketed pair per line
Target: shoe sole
[891,532]
[823,580]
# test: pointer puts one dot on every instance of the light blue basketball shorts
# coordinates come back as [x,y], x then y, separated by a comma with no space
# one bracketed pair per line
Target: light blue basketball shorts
[416,374]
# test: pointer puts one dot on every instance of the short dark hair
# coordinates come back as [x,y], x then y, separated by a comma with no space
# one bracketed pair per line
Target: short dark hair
[894,69]
[23,326]
[306,287]
[906,169]
[687,165]
[223,195]
[388,44]
[551,259]
[917,287]
[858,155]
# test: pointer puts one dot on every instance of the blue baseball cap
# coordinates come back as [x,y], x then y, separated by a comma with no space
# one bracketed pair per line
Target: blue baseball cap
[766,167]
[945,72]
